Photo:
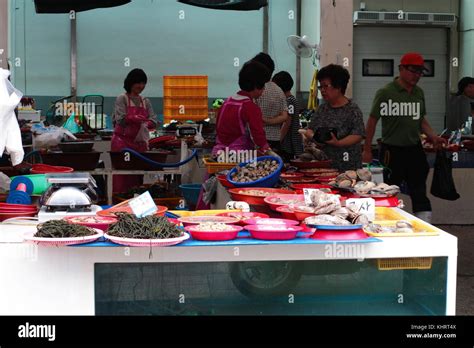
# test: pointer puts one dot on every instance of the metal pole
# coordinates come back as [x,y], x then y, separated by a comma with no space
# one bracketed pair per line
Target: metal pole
[73,58]
[266,31]
[298,58]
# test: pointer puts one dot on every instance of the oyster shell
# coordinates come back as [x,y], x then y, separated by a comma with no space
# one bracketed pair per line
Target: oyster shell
[345,183]
[403,224]
[326,220]
[351,174]
[363,187]
[361,219]
[343,213]
[364,174]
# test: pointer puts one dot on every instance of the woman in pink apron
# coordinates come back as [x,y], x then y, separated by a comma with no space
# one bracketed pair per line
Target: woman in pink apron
[240,120]
[133,118]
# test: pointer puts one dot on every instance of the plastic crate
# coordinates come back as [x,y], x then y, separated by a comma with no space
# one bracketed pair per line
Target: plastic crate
[191,102]
[404,263]
[420,229]
[215,167]
[185,80]
[187,213]
[187,92]
[385,213]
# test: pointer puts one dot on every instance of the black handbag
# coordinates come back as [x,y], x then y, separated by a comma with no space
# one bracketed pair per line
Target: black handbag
[442,185]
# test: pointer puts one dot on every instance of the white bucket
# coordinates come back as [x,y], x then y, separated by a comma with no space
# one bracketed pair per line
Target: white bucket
[377,174]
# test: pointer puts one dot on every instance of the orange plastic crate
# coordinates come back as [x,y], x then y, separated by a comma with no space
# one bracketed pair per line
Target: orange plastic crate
[188,92]
[192,102]
[185,81]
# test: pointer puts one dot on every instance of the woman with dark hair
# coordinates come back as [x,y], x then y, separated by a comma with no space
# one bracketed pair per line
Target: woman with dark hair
[240,123]
[461,105]
[338,124]
[133,119]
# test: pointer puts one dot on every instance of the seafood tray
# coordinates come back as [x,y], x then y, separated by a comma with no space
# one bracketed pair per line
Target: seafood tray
[420,229]
[384,213]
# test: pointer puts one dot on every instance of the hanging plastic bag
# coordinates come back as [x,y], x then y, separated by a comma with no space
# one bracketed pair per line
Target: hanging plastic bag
[71,124]
[143,135]
[10,134]
[442,185]
[50,137]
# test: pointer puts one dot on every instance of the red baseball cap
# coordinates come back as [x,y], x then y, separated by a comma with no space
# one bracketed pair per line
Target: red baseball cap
[413,59]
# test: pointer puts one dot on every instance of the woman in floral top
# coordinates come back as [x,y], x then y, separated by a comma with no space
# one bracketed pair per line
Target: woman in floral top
[343,148]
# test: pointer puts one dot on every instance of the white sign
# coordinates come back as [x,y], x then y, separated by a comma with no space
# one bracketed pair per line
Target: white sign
[143,205]
[363,206]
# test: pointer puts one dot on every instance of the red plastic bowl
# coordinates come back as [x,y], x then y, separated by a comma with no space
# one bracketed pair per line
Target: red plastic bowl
[322,175]
[11,215]
[272,222]
[302,180]
[379,201]
[309,165]
[223,180]
[273,232]
[287,212]
[46,168]
[299,187]
[102,222]
[270,200]
[340,235]
[291,175]
[239,194]
[243,217]
[12,208]
[301,215]
[196,220]
[214,235]
[326,179]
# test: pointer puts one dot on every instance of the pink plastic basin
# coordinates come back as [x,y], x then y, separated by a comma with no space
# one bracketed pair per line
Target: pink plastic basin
[273,232]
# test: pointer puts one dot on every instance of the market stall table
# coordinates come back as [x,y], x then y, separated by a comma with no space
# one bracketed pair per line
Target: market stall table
[203,278]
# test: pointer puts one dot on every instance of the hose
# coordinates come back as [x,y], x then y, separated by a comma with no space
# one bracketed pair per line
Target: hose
[157,164]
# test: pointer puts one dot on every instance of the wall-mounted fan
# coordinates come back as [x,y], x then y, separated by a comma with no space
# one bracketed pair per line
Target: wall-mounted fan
[302,47]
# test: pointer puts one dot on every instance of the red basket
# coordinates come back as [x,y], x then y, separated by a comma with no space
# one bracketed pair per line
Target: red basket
[46,168]
[239,194]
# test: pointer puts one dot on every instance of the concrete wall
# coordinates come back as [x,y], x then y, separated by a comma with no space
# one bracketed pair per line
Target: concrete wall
[466,38]
[436,6]
[153,35]
[310,26]
[337,35]
[3,33]
[447,6]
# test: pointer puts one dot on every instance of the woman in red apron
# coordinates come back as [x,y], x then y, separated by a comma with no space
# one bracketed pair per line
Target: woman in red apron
[133,118]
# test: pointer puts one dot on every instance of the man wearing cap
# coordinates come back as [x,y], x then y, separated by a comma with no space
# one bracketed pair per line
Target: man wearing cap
[401,106]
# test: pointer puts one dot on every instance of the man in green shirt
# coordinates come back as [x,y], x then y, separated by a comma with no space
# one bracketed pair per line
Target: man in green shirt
[401,106]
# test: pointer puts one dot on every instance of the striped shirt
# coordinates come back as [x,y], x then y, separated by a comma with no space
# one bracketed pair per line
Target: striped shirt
[293,141]
[272,103]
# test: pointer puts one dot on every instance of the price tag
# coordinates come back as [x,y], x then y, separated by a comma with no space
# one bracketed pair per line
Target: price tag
[143,205]
[363,205]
